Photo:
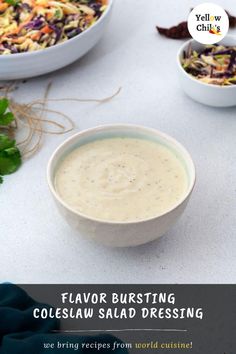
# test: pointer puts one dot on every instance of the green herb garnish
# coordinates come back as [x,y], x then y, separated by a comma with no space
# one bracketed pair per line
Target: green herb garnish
[58,13]
[5,117]
[10,157]
[12,2]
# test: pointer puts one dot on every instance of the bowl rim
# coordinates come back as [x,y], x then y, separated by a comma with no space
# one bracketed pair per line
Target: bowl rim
[90,131]
[179,53]
[63,44]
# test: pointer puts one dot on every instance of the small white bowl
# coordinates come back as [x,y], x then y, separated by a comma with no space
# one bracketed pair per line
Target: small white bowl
[31,64]
[211,95]
[120,234]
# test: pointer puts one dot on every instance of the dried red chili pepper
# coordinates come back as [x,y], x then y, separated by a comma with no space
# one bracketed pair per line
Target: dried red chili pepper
[176,32]
[181,30]
[232,20]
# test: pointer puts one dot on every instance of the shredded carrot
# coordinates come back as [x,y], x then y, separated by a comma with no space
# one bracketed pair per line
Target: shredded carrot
[49,15]
[89,17]
[3,6]
[36,36]
[46,30]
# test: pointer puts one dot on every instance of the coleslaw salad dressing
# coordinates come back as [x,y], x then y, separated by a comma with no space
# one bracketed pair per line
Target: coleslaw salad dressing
[121,179]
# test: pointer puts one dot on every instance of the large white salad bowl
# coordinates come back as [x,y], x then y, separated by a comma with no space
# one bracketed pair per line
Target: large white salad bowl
[30,64]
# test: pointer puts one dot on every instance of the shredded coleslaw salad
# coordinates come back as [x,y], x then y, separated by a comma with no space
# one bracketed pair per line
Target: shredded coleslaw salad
[215,64]
[30,25]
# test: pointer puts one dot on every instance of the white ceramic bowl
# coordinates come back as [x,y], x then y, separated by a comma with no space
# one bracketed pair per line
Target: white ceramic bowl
[211,95]
[25,65]
[121,234]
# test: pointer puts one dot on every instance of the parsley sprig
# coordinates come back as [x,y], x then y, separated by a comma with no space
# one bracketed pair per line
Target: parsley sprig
[10,156]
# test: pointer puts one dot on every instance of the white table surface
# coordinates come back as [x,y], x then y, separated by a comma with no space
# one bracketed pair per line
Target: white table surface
[37,246]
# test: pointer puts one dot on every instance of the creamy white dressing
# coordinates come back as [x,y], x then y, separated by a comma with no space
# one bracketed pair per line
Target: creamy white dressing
[121,179]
